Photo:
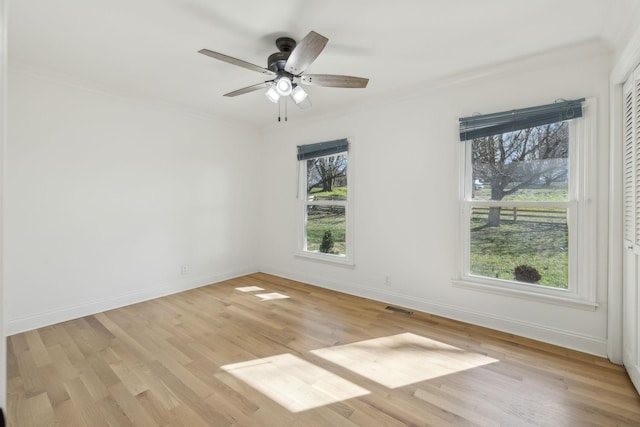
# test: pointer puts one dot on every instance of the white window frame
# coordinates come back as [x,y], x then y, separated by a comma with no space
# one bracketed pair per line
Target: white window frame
[347,259]
[581,290]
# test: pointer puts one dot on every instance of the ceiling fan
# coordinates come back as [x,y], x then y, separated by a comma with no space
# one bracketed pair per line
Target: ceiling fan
[286,67]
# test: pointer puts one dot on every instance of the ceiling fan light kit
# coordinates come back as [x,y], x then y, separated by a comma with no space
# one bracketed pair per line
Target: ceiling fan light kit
[284,86]
[272,94]
[287,66]
[298,94]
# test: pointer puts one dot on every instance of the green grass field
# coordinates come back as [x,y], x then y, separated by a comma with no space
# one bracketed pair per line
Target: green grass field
[320,219]
[323,218]
[496,251]
[538,238]
[554,193]
[338,193]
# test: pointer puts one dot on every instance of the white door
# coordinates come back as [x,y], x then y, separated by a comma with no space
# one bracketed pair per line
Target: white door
[631,261]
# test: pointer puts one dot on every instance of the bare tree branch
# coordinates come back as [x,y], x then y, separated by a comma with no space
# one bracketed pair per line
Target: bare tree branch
[512,161]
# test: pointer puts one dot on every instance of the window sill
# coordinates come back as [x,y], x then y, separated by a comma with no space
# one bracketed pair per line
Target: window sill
[527,295]
[342,261]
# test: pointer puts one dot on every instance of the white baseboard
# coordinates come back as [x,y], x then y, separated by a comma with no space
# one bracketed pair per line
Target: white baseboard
[585,343]
[15,326]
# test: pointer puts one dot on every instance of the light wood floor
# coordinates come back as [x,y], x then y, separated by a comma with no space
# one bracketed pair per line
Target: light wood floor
[216,356]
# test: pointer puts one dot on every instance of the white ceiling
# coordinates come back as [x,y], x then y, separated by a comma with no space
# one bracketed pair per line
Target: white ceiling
[148,48]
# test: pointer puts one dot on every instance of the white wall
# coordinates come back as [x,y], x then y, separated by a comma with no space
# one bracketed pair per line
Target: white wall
[107,199]
[405,157]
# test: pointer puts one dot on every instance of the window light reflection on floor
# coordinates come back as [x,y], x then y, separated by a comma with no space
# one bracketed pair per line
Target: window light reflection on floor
[403,359]
[293,382]
[271,296]
[249,289]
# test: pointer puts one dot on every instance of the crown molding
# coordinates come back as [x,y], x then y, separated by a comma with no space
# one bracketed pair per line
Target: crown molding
[75,82]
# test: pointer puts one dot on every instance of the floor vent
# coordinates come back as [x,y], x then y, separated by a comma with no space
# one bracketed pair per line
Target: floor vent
[399,310]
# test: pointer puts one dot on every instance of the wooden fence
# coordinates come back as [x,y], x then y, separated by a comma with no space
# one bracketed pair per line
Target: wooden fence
[556,216]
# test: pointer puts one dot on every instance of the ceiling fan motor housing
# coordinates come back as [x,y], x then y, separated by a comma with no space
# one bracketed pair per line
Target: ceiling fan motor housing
[277,61]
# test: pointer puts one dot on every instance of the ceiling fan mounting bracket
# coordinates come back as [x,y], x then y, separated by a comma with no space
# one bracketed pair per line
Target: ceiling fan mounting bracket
[285,44]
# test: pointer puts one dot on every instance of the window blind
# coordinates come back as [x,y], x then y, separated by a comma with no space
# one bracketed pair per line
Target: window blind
[320,149]
[509,121]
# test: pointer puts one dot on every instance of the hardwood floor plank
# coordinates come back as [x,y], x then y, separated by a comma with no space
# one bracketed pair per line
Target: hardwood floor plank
[89,410]
[156,409]
[68,415]
[32,382]
[58,335]
[453,404]
[191,401]
[63,365]
[55,388]
[38,351]
[158,389]
[162,363]
[34,411]
[113,413]
[188,417]
[128,403]
[129,377]
[18,343]
[83,337]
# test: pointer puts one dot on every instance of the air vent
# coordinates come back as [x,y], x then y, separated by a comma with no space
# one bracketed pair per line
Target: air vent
[399,310]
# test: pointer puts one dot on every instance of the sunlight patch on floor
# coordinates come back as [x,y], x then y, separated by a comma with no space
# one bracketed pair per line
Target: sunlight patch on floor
[249,289]
[272,295]
[403,359]
[294,383]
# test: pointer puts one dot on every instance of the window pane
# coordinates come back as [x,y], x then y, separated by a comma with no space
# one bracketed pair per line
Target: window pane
[326,229]
[526,165]
[327,178]
[529,237]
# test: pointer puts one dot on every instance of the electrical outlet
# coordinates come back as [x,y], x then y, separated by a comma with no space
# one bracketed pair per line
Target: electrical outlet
[387,280]
[184,269]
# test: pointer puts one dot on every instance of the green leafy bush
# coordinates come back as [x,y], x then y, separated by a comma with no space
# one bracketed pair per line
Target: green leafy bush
[327,242]
[526,273]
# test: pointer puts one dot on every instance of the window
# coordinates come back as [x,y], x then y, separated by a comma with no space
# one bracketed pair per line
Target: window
[324,201]
[526,225]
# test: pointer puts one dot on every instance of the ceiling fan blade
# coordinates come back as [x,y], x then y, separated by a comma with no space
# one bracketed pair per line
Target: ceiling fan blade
[305,53]
[249,89]
[332,80]
[236,61]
